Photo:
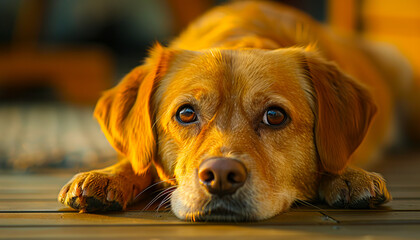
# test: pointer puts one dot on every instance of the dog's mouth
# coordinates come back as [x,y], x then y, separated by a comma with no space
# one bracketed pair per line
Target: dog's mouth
[218,215]
[221,211]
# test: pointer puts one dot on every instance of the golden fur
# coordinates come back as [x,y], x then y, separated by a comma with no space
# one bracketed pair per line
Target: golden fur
[231,65]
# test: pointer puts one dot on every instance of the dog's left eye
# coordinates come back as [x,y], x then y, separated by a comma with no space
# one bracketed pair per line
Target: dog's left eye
[274,117]
[186,114]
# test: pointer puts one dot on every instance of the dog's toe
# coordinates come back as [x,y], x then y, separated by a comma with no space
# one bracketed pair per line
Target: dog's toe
[355,188]
[341,199]
[95,191]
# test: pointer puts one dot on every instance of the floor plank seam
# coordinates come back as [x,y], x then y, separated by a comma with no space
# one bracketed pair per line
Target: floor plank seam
[327,217]
[342,224]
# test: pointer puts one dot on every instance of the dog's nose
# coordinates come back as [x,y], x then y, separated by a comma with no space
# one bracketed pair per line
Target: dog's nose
[222,176]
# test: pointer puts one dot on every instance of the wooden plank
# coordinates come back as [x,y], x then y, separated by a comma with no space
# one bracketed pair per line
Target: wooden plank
[378,217]
[4,188]
[404,191]
[10,181]
[32,206]
[51,204]
[404,194]
[402,205]
[28,209]
[403,180]
[42,195]
[395,205]
[232,231]
[138,219]
[54,205]
[76,219]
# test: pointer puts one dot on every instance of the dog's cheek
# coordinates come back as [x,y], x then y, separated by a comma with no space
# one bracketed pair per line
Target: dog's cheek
[188,198]
[283,202]
[173,146]
[177,205]
[168,153]
[267,199]
[303,170]
[301,159]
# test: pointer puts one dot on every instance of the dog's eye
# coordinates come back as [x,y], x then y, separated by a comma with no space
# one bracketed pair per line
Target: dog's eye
[186,114]
[274,116]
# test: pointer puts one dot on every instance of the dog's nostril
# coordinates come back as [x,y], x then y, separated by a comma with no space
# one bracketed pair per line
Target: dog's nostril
[222,176]
[236,177]
[206,176]
[231,177]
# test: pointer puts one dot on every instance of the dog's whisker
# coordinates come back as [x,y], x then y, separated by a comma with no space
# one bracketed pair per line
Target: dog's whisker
[152,201]
[164,201]
[167,204]
[163,181]
[206,204]
[164,191]
[167,199]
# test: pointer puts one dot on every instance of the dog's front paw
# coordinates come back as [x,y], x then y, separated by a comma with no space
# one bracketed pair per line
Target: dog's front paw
[355,188]
[97,191]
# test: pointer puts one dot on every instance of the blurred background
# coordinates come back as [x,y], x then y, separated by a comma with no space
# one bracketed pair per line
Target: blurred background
[57,56]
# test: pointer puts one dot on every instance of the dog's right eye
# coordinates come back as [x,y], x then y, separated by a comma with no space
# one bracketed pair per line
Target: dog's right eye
[274,117]
[186,115]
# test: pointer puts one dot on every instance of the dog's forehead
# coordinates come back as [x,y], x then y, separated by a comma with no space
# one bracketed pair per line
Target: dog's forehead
[234,72]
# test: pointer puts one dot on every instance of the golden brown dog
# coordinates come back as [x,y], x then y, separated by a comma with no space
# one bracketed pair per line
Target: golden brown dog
[254,106]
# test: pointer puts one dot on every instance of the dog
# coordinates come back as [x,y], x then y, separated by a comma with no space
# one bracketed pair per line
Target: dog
[253,107]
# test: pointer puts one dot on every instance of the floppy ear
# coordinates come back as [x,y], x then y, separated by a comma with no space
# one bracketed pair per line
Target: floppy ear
[343,113]
[126,115]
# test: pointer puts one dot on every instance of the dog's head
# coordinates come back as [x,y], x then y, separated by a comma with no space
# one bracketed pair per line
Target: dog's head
[245,133]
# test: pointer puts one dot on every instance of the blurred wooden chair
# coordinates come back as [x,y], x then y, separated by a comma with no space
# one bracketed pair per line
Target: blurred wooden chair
[76,74]
[394,22]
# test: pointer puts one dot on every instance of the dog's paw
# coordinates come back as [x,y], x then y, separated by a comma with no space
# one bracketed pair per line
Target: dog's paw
[97,191]
[355,188]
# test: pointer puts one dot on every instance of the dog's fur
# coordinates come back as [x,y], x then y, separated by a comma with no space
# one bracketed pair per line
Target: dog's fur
[231,65]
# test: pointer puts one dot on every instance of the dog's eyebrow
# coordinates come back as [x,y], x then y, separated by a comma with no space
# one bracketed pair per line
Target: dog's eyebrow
[269,98]
[196,94]
[197,97]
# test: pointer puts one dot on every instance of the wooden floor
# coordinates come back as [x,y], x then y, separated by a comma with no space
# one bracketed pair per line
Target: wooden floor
[28,209]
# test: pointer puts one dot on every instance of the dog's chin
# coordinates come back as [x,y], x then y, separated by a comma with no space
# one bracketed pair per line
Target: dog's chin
[220,215]
[217,210]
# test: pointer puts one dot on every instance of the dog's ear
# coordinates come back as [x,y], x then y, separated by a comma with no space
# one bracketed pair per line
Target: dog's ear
[344,110]
[125,112]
